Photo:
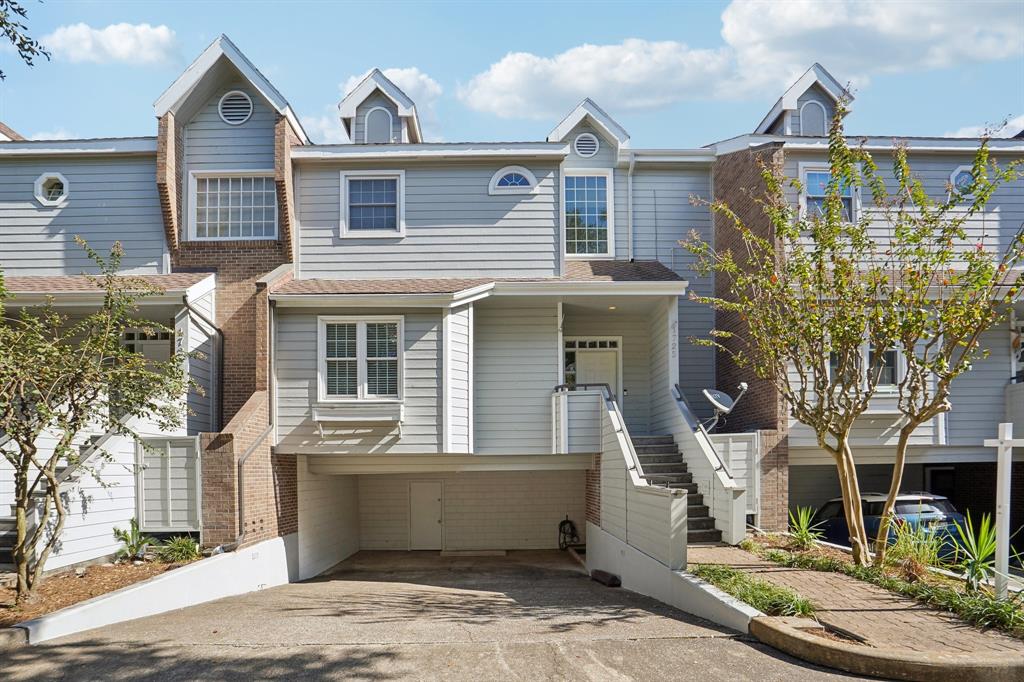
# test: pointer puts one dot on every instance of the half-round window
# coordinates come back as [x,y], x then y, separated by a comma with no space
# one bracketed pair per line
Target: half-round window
[512,180]
[377,126]
[813,121]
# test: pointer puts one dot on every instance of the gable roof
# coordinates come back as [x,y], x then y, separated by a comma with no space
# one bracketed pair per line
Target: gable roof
[816,75]
[372,82]
[588,109]
[8,134]
[220,48]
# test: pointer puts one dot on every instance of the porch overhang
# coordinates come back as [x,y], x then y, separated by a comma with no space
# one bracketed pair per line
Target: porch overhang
[444,463]
[82,290]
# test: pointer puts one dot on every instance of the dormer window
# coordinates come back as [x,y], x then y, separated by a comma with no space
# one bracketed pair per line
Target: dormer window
[512,180]
[377,126]
[51,189]
[812,119]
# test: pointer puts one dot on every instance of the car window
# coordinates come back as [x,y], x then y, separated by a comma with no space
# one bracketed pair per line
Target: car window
[918,507]
[829,511]
[873,508]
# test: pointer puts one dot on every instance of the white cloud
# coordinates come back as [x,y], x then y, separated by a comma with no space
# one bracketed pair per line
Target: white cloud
[325,129]
[56,134]
[421,89]
[767,46]
[129,43]
[1012,127]
[635,74]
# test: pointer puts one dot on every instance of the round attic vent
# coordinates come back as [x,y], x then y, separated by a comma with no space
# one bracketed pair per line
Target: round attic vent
[235,108]
[586,144]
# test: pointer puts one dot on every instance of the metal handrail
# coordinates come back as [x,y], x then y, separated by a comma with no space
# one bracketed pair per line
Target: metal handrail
[681,402]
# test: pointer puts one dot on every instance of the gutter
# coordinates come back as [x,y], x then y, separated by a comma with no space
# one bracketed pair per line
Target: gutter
[629,204]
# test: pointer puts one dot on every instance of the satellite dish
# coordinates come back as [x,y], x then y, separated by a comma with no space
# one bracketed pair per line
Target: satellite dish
[722,402]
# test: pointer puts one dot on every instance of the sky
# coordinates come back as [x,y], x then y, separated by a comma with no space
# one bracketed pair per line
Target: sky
[674,74]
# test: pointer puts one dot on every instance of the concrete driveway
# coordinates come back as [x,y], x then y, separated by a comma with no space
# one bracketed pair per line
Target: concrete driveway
[390,615]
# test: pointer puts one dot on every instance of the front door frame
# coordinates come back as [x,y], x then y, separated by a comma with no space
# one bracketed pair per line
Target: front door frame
[617,350]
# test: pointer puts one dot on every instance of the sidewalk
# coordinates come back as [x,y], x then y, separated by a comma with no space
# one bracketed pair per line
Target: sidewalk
[878,617]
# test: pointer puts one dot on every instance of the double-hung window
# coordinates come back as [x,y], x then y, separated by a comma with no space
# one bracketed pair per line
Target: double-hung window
[233,205]
[589,213]
[372,203]
[360,358]
[816,182]
[889,371]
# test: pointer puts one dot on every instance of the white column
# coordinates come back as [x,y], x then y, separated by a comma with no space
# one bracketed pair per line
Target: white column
[1005,454]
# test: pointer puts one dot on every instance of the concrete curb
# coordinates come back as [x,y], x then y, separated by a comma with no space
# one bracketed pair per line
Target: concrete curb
[785,635]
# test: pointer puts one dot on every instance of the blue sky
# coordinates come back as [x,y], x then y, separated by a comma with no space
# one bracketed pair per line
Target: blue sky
[673,74]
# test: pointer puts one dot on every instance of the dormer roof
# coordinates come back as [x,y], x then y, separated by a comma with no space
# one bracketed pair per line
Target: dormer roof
[376,81]
[599,117]
[221,52]
[816,75]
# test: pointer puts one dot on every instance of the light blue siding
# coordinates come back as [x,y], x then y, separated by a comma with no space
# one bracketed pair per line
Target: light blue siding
[377,99]
[109,200]
[454,228]
[460,393]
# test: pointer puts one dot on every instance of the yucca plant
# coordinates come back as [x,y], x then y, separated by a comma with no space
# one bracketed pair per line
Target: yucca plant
[802,528]
[135,542]
[178,550]
[976,550]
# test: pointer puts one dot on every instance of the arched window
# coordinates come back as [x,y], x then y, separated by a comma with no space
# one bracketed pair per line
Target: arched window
[377,125]
[512,180]
[813,121]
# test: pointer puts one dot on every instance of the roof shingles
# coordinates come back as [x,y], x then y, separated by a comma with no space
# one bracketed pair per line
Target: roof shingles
[68,284]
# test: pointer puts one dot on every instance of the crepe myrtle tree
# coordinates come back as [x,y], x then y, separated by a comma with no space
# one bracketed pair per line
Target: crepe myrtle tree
[63,379]
[826,297]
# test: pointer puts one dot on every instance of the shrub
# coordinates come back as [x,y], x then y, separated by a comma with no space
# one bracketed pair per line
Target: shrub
[179,550]
[135,543]
[761,594]
[803,529]
[976,550]
[914,550]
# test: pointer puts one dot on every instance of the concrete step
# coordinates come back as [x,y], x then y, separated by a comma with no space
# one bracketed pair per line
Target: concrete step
[669,449]
[695,510]
[690,488]
[652,440]
[672,477]
[700,523]
[663,468]
[694,499]
[695,536]
[667,458]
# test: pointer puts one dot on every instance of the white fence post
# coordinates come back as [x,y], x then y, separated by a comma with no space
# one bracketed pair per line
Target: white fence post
[1004,453]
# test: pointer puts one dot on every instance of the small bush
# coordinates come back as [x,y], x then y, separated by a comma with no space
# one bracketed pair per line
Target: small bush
[914,550]
[135,543]
[179,550]
[761,594]
[976,550]
[803,529]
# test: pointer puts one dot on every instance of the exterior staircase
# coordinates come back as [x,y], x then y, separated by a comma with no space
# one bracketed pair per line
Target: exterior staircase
[664,466]
[8,524]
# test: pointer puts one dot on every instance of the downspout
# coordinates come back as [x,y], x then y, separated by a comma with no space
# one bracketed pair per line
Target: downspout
[629,203]
[219,360]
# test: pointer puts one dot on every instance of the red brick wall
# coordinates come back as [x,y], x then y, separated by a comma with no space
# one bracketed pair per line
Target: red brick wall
[593,492]
[774,513]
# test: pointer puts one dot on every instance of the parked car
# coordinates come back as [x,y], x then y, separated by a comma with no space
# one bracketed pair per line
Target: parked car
[916,508]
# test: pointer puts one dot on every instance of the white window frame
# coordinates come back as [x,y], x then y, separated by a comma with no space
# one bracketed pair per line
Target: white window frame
[610,175]
[360,321]
[493,188]
[193,212]
[805,167]
[344,177]
[956,172]
[366,126]
[40,193]
[824,116]
[865,359]
[586,339]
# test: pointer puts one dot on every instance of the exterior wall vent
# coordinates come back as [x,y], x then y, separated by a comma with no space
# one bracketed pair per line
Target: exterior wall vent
[586,145]
[235,108]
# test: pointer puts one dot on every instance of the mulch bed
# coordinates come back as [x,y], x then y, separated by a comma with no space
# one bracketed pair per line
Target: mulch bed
[61,590]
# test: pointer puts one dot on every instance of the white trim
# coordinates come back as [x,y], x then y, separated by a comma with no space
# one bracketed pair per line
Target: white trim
[589,109]
[220,105]
[446,378]
[472,376]
[576,143]
[102,146]
[492,187]
[41,195]
[599,172]
[438,150]
[591,337]
[805,167]
[824,116]
[344,230]
[228,173]
[366,124]
[956,171]
[362,397]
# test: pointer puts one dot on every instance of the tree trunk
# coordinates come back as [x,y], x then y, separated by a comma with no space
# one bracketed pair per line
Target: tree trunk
[882,541]
[853,510]
[21,553]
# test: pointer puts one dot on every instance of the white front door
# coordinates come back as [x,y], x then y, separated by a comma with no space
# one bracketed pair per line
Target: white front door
[598,367]
[425,515]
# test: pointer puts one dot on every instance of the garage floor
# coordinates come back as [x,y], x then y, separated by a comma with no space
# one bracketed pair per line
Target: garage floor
[402,615]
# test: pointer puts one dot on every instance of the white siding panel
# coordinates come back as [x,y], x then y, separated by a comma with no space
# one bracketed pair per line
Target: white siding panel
[460,391]
[515,370]
[328,520]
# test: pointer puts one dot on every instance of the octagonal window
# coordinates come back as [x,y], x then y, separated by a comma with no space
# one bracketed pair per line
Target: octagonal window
[51,189]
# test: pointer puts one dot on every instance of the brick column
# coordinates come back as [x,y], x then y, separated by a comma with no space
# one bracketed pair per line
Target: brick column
[593,492]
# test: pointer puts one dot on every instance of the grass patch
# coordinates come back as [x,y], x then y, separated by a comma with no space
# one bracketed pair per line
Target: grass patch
[979,608]
[761,594]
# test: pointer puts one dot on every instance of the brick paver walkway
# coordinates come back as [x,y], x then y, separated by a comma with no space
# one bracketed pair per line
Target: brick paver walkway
[881,618]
